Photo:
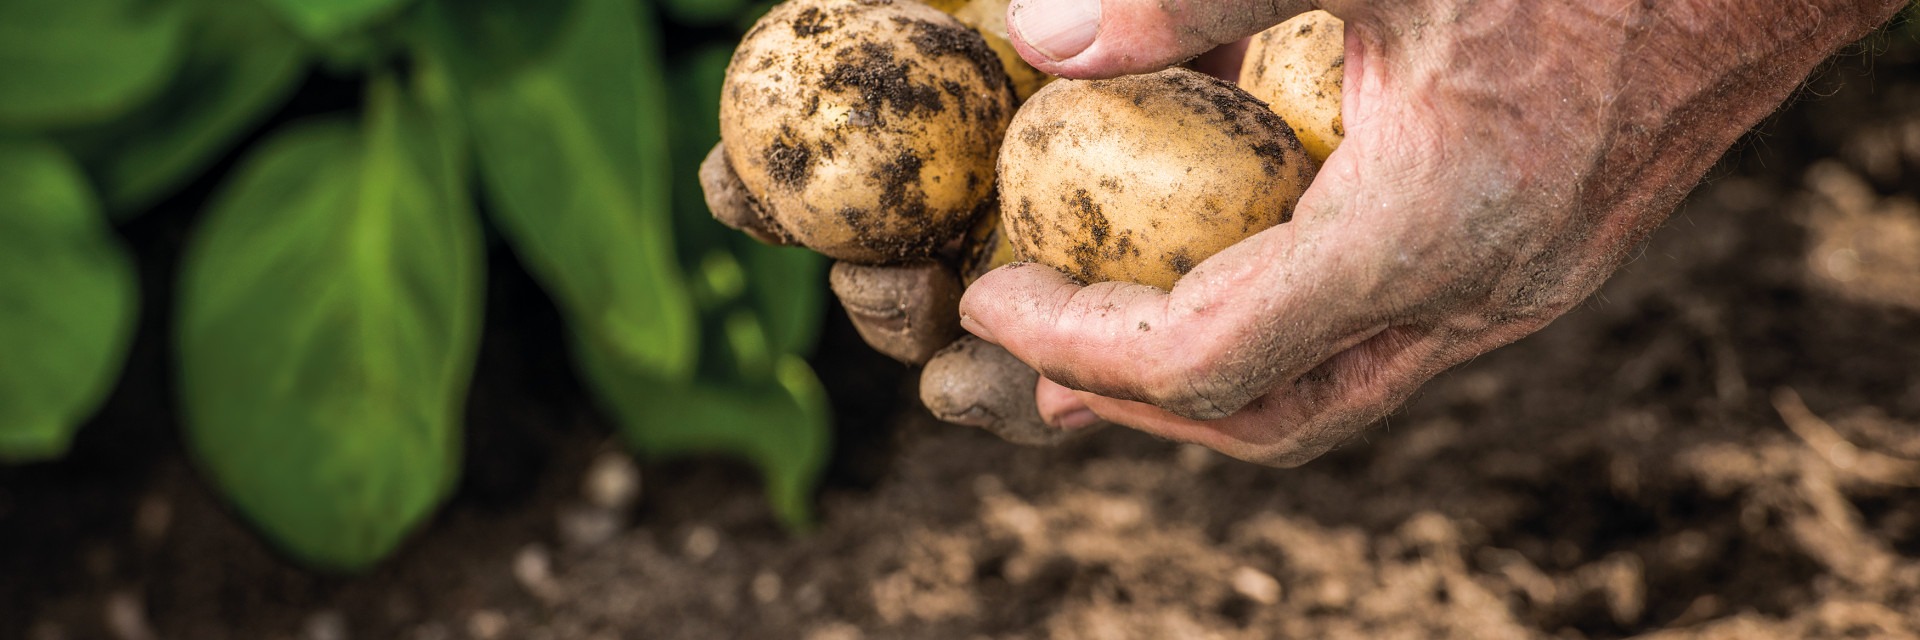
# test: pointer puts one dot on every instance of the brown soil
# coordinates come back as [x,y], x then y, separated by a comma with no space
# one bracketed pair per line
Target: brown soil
[1723,443]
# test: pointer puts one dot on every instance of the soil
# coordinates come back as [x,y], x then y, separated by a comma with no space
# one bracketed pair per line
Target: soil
[1723,443]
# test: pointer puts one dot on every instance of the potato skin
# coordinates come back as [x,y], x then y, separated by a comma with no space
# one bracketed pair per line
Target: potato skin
[989,17]
[1140,178]
[866,128]
[1298,68]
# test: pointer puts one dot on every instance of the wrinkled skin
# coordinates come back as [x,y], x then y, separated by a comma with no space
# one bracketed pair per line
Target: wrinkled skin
[1503,158]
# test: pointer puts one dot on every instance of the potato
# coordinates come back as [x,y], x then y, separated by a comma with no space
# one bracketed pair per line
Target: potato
[1140,178]
[1297,68]
[865,130]
[989,17]
[985,249]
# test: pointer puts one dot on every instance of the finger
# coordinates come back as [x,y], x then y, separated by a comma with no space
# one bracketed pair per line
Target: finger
[977,384]
[1260,313]
[1062,407]
[1298,422]
[1108,38]
[732,205]
[906,312]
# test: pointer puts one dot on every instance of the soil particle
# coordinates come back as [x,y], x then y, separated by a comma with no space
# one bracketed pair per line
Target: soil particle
[811,22]
[884,83]
[900,190]
[934,40]
[789,162]
[1181,263]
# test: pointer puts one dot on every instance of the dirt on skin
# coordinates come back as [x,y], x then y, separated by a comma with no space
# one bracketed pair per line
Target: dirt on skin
[1723,443]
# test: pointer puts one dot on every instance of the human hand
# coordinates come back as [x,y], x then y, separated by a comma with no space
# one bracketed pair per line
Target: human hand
[1501,160]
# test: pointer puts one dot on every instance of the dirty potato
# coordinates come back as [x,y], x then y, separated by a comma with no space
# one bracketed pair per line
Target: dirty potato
[865,129]
[989,17]
[1140,178]
[1297,68]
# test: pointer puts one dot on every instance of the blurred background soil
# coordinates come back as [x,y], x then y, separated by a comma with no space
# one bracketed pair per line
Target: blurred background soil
[1723,443]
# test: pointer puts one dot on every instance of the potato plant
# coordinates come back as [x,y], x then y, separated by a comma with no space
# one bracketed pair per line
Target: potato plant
[328,307]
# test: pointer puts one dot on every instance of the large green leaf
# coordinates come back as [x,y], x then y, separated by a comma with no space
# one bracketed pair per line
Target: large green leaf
[325,20]
[67,62]
[67,301]
[328,323]
[573,153]
[239,65]
[781,423]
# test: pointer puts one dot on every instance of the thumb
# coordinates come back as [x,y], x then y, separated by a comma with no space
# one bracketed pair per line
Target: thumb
[1107,38]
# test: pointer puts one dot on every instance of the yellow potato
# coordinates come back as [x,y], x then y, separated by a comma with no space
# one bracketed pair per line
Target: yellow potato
[989,17]
[1297,68]
[1140,178]
[865,129]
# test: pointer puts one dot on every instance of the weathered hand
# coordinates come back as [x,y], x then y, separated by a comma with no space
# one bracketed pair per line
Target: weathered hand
[1502,158]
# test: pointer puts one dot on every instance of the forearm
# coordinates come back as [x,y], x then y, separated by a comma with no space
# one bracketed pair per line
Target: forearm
[1701,74]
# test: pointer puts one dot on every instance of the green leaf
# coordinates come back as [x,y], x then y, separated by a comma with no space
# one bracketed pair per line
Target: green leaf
[326,20]
[484,40]
[239,65]
[328,322]
[786,285]
[573,154]
[69,62]
[782,424]
[67,301]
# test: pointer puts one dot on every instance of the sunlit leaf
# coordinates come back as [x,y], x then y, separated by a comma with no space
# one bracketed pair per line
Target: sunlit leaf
[782,424]
[323,20]
[328,323]
[573,151]
[68,62]
[239,65]
[67,301]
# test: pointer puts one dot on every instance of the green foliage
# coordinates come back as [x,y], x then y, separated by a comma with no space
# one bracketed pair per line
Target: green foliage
[324,20]
[573,153]
[329,302]
[239,64]
[329,319]
[66,301]
[69,63]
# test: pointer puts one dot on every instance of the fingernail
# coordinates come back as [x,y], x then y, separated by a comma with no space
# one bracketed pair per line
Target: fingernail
[1080,419]
[1058,29]
[974,327]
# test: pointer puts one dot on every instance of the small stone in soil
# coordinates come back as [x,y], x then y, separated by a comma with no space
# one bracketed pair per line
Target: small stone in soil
[325,625]
[533,569]
[702,542]
[487,624]
[612,481]
[766,587]
[1256,585]
[1194,458]
[127,617]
